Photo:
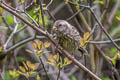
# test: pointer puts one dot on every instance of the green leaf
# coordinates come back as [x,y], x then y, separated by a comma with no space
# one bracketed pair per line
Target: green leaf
[7,76]
[10,20]
[34,1]
[20,59]
[14,73]
[66,1]
[38,77]
[98,2]
[1,11]
[50,63]
[114,58]
[20,26]
[113,50]
[22,1]
[59,65]
[105,78]
[32,72]
[73,78]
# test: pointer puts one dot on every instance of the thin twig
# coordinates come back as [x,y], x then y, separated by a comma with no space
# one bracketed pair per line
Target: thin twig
[7,51]
[58,68]
[36,24]
[82,17]
[75,14]
[58,8]
[49,4]
[78,27]
[9,27]
[42,14]
[58,74]
[19,44]
[11,7]
[104,42]
[113,12]
[44,68]
[12,34]
[101,26]
[93,29]
[47,35]
[29,5]
[109,62]
[24,27]
[51,15]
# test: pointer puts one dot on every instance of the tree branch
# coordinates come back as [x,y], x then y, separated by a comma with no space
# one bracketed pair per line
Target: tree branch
[47,35]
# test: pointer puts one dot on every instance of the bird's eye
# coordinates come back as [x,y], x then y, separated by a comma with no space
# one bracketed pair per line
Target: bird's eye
[60,25]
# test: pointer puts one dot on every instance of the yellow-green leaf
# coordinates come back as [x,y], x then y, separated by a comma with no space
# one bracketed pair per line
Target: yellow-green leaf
[31,72]
[22,1]
[38,77]
[34,1]
[34,45]
[22,69]
[56,57]
[51,58]
[40,45]
[1,48]
[32,66]
[118,18]
[86,35]
[1,11]
[44,8]
[66,1]
[50,63]
[14,73]
[47,44]
[98,2]
[82,42]
[67,61]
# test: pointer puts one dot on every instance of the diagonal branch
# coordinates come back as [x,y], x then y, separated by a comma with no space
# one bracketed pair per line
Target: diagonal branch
[12,34]
[101,26]
[47,35]
[105,31]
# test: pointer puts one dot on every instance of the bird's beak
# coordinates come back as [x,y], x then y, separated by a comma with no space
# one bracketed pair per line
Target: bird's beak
[54,29]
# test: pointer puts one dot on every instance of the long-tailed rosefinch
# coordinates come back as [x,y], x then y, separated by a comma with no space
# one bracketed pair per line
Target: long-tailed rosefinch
[66,35]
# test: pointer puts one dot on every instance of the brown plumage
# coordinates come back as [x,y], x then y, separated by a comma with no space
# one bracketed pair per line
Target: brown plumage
[66,35]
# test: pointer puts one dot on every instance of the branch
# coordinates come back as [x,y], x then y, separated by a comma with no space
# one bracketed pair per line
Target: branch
[19,44]
[101,26]
[7,51]
[78,27]
[42,14]
[36,24]
[75,14]
[44,68]
[113,12]
[12,34]
[47,35]
[49,4]
[104,42]
[51,15]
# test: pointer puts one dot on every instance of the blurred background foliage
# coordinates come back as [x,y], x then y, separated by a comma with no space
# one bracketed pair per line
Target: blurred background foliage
[22,65]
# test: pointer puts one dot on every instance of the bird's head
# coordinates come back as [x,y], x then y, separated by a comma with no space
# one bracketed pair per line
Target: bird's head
[61,26]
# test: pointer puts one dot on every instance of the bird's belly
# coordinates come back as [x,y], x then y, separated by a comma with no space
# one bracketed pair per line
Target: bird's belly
[68,44]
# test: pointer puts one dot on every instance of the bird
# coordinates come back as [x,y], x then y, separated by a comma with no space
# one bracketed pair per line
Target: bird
[67,36]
